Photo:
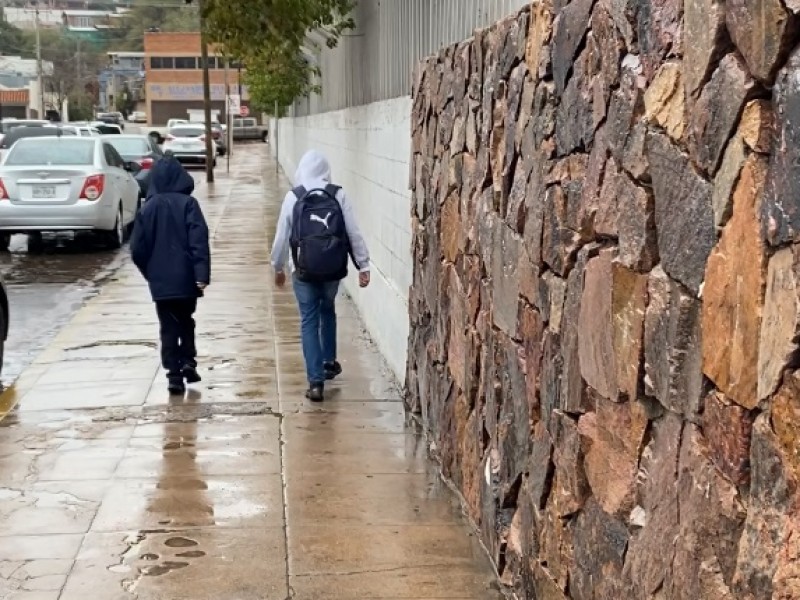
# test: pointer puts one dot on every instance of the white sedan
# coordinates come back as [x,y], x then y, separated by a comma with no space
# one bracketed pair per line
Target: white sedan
[187,143]
[66,183]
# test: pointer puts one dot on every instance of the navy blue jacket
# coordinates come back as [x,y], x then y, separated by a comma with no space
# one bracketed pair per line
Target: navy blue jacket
[170,237]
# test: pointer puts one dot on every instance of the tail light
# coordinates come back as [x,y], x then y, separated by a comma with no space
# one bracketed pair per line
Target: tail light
[170,137]
[93,187]
[146,163]
[3,192]
[202,138]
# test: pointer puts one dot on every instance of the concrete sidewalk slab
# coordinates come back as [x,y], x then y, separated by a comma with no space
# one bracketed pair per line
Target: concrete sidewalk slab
[111,489]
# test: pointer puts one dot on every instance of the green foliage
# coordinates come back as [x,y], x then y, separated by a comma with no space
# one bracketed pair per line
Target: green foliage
[13,40]
[145,16]
[267,35]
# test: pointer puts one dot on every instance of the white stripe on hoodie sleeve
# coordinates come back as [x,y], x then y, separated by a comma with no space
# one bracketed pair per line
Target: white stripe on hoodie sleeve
[357,242]
[280,247]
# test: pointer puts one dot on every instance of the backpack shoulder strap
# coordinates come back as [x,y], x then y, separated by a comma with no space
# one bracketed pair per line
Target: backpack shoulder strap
[332,189]
[299,192]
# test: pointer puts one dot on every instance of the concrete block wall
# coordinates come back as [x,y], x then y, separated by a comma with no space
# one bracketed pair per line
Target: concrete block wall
[369,148]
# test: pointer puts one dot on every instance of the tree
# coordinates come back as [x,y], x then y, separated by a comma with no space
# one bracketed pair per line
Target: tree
[75,67]
[144,16]
[13,40]
[268,35]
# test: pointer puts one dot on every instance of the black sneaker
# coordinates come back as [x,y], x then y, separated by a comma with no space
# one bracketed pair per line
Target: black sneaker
[191,375]
[175,386]
[316,392]
[332,370]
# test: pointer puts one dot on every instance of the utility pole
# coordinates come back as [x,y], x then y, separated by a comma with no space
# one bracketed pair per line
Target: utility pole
[228,121]
[206,95]
[39,75]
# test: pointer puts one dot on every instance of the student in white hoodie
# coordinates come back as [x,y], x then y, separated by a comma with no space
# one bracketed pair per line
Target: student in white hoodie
[318,225]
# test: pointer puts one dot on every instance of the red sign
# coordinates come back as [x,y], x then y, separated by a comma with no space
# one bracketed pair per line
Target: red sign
[244,111]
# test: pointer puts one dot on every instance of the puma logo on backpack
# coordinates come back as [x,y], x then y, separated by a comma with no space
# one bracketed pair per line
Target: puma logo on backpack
[319,242]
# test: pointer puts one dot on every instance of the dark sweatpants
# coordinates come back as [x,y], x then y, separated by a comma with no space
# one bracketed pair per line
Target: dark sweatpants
[177,334]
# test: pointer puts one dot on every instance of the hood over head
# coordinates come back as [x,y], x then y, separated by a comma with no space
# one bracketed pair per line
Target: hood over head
[314,171]
[169,177]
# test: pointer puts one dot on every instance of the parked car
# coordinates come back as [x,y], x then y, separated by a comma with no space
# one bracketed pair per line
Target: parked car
[140,149]
[66,183]
[107,128]
[112,118]
[4,321]
[82,130]
[7,125]
[249,129]
[187,143]
[160,133]
[137,116]
[19,133]
[218,132]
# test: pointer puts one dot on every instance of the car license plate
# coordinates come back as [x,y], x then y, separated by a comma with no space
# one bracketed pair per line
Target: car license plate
[44,191]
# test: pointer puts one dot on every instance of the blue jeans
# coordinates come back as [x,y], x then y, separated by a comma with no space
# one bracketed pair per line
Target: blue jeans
[317,302]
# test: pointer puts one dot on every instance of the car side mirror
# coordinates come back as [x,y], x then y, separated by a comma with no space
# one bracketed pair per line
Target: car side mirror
[132,167]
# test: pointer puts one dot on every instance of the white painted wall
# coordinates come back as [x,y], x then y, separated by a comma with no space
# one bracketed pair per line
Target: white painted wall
[369,148]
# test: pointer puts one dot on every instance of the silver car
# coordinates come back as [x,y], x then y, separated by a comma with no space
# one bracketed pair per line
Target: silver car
[66,184]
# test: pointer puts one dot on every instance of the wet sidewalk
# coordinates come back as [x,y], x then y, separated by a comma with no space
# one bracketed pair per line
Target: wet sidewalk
[111,490]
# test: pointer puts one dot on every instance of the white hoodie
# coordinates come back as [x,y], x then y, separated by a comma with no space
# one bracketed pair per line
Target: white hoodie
[315,172]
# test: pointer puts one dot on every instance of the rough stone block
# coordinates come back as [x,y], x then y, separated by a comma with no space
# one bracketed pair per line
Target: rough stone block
[761,30]
[757,126]
[728,427]
[780,212]
[636,223]
[628,308]
[772,507]
[613,436]
[570,487]
[733,294]
[780,324]
[647,564]
[683,213]
[664,100]
[659,32]
[539,33]
[714,116]
[595,334]
[725,180]
[569,30]
[573,387]
[600,545]
[505,283]
[672,346]
[704,31]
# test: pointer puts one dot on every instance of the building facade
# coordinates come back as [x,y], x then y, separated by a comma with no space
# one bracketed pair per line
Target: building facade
[125,70]
[174,77]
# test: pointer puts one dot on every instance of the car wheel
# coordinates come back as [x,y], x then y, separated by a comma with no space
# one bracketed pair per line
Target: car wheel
[35,243]
[5,241]
[116,237]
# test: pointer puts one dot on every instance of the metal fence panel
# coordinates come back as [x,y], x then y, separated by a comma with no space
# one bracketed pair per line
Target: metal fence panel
[374,61]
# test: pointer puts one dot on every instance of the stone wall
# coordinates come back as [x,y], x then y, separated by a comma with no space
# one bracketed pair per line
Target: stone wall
[606,299]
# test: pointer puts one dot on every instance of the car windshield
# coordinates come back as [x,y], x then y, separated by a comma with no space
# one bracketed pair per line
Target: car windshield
[130,146]
[187,132]
[51,151]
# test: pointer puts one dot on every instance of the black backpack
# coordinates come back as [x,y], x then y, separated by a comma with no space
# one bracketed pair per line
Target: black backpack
[319,241]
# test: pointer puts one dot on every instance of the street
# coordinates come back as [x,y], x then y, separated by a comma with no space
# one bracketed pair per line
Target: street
[110,489]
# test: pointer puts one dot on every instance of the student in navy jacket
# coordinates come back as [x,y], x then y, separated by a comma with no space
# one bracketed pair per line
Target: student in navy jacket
[170,248]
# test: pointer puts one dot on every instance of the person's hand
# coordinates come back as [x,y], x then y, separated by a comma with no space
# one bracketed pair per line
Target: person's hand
[280,278]
[201,285]
[363,279]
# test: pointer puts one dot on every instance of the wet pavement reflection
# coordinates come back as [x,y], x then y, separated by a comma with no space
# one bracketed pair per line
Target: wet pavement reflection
[111,489]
